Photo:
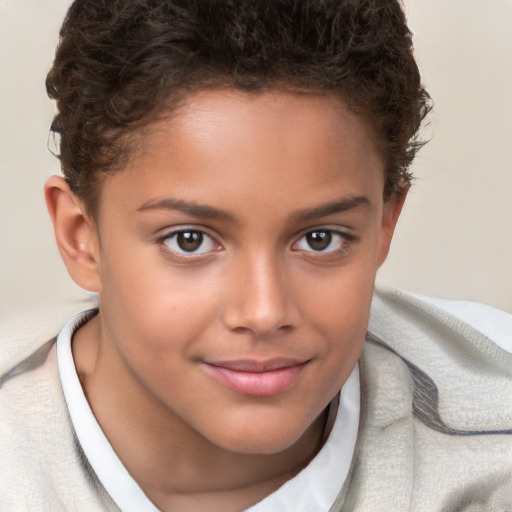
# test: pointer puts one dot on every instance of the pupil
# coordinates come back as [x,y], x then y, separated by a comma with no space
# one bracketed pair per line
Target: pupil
[189,240]
[319,240]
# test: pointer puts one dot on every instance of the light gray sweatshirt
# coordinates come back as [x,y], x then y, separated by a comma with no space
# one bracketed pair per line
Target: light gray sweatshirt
[435,431]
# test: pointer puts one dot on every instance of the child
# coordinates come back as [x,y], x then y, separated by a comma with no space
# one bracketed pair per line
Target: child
[234,172]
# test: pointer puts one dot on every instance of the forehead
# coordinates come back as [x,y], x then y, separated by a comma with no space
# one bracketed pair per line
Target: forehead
[262,148]
[270,120]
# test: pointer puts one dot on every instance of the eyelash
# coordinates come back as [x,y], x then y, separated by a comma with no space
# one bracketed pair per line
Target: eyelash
[166,240]
[345,241]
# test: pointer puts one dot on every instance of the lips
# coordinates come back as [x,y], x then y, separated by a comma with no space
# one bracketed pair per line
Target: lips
[257,378]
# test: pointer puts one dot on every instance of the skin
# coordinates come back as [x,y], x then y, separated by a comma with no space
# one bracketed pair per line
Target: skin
[265,170]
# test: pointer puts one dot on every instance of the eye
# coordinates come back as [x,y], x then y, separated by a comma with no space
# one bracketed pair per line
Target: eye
[189,242]
[322,241]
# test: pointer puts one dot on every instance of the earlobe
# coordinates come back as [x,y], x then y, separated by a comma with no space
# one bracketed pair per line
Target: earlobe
[390,215]
[75,233]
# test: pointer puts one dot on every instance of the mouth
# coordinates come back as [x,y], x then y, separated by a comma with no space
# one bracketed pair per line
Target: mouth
[257,378]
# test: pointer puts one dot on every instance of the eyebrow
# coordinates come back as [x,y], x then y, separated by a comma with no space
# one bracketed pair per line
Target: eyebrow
[191,208]
[339,206]
[203,211]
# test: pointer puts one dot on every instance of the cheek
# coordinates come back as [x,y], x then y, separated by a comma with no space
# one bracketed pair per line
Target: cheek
[340,300]
[153,308]
[339,309]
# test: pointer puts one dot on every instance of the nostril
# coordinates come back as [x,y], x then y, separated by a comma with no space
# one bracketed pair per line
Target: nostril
[259,333]
[241,330]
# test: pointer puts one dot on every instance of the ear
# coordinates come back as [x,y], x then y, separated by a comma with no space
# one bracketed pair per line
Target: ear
[390,214]
[75,233]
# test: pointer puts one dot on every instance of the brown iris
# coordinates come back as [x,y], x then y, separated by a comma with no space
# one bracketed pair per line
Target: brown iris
[189,241]
[319,240]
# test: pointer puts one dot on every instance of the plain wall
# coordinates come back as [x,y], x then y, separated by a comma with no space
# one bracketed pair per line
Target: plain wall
[454,238]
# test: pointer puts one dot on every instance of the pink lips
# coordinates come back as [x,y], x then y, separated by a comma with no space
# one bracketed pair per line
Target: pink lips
[257,378]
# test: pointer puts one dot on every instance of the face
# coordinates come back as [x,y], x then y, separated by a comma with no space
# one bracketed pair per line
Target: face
[237,258]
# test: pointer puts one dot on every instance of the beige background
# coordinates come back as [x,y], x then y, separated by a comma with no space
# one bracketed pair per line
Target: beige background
[455,235]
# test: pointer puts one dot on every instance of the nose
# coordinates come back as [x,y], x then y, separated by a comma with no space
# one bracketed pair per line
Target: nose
[260,301]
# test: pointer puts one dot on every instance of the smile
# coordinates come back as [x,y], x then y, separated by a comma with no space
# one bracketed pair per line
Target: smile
[255,378]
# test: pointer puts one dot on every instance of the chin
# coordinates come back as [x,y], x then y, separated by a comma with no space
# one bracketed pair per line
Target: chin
[264,445]
[262,438]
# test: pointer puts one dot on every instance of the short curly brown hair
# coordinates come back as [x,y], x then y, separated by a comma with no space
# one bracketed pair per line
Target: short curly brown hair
[121,64]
